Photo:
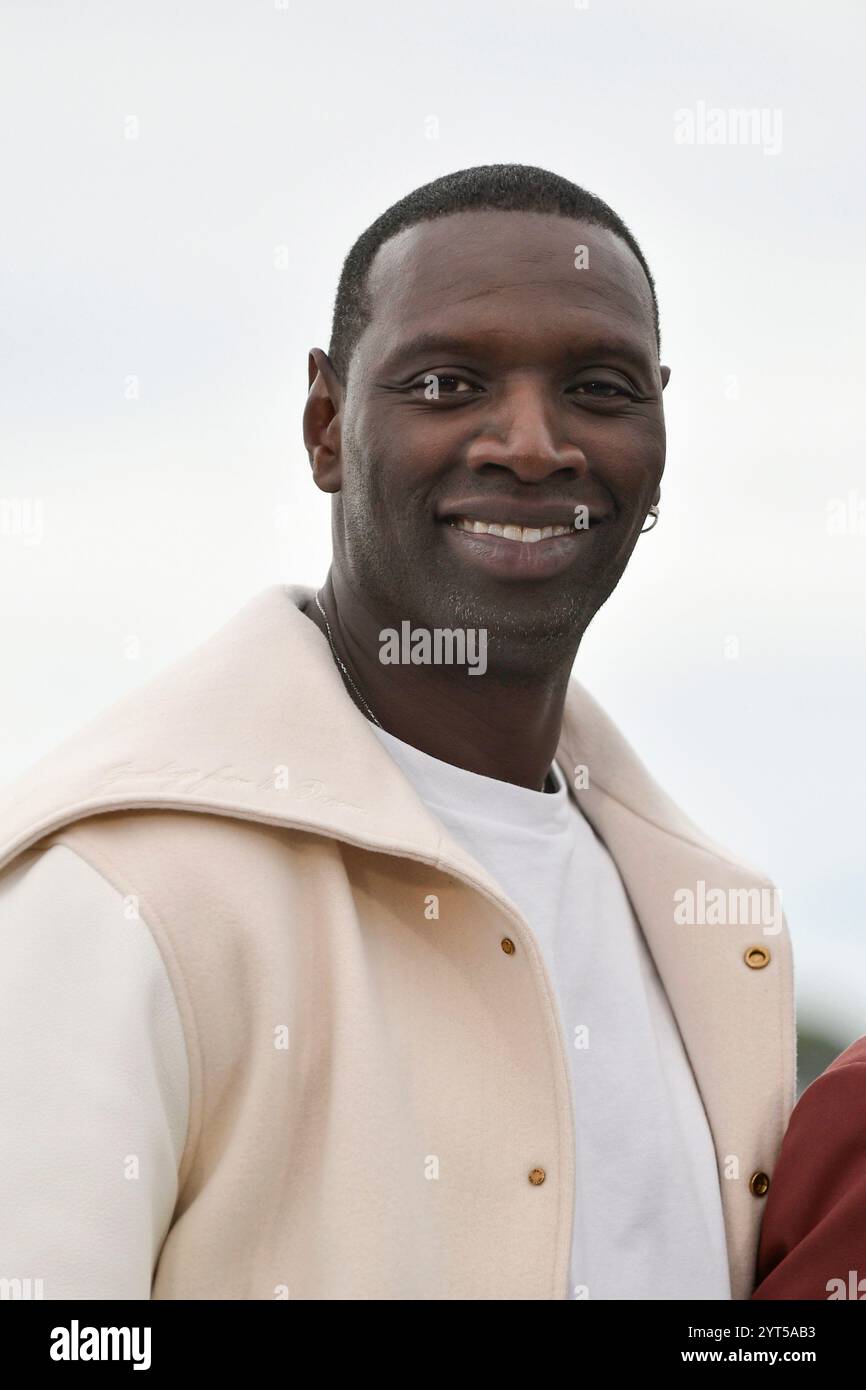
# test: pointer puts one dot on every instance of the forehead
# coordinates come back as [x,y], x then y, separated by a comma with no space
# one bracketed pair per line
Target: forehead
[479,271]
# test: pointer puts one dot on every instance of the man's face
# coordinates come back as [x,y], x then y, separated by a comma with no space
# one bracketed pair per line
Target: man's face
[497,383]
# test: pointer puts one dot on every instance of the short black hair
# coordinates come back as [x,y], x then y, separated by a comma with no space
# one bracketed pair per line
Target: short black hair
[505,187]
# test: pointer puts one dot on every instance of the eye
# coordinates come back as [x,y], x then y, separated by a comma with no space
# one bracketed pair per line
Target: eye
[603,390]
[437,384]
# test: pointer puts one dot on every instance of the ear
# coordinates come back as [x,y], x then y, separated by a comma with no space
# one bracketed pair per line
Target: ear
[322,422]
[665,376]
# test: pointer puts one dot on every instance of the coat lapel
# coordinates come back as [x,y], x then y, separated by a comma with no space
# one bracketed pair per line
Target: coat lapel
[736,1022]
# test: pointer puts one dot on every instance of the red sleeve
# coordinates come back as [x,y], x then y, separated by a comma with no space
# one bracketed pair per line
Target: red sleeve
[814,1226]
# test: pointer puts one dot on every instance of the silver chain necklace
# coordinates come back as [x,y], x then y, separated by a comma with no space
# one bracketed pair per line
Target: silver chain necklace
[344,669]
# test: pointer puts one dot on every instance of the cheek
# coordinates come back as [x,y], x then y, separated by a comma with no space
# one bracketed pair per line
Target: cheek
[369,446]
[629,458]
[362,472]
[396,456]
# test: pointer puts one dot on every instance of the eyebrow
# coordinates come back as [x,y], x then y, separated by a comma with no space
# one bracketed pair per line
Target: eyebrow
[427,344]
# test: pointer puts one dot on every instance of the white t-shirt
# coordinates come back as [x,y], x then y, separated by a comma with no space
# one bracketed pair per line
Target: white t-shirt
[648,1215]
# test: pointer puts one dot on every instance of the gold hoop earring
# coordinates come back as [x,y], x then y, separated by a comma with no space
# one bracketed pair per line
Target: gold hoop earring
[654,513]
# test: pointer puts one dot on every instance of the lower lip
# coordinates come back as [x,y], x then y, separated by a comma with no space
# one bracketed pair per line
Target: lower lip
[526,560]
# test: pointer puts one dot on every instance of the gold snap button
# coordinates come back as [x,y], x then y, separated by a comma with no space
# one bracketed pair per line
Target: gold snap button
[537,1176]
[758,1184]
[508,945]
[756,957]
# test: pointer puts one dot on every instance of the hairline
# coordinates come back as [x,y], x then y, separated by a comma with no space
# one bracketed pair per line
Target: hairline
[365,299]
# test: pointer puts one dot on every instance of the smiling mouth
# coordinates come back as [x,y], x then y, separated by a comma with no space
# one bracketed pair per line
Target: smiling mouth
[524,535]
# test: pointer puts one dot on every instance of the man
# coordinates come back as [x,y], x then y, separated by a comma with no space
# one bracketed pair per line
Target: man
[345,956]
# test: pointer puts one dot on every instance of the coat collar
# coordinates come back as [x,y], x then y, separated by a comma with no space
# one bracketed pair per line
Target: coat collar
[255,723]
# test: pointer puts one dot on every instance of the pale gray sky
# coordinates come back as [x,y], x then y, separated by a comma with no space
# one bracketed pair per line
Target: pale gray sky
[180,185]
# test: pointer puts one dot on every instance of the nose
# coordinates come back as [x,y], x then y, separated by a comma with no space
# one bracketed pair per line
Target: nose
[526,440]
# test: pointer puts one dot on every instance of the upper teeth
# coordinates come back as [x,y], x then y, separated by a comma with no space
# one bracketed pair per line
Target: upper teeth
[511,533]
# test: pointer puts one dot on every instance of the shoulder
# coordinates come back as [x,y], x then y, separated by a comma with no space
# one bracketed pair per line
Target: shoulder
[53,895]
[78,962]
[55,877]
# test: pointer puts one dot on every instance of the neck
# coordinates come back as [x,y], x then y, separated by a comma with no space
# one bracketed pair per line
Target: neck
[504,725]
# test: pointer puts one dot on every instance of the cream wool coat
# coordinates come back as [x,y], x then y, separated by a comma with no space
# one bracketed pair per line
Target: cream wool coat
[290,876]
